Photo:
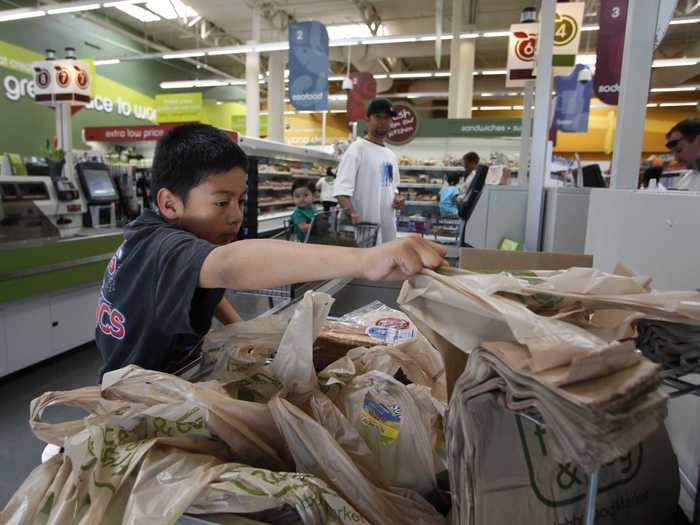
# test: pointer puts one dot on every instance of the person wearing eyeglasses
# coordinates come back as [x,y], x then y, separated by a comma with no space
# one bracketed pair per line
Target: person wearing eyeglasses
[683,140]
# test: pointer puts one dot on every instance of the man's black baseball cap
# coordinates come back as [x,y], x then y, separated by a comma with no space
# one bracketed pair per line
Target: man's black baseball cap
[381,105]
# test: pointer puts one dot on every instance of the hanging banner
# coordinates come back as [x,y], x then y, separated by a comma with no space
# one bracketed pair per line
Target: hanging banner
[573,102]
[567,36]
[611,43]
[522,46]
[404,126]
[308,66]
[364,88]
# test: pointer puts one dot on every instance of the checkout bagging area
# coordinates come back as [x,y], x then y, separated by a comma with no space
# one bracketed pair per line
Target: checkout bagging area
[545,371]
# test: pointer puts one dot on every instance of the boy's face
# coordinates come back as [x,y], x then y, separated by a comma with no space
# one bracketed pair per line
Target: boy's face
[303,197]
[214,209]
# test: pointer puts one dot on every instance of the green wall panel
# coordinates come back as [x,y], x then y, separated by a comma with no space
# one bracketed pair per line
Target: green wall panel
[51,282]
[59,252]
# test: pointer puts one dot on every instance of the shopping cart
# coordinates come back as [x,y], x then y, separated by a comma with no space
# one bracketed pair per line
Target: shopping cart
[331,228]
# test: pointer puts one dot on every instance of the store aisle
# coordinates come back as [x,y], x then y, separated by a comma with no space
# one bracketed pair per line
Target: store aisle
[21,450]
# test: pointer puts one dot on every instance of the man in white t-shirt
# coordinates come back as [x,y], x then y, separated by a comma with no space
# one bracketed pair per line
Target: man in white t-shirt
[684,142]
[367,177]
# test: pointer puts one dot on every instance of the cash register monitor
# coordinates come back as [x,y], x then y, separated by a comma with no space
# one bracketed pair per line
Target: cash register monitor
[97,183]
[592,176]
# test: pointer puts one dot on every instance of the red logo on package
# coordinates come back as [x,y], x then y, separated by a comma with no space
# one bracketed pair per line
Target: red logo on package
[393,322]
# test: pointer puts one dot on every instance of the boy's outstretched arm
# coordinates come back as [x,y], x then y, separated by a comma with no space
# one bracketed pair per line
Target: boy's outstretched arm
[265,263]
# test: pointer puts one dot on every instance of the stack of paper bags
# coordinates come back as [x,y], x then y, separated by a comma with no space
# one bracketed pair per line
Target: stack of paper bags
[561,348]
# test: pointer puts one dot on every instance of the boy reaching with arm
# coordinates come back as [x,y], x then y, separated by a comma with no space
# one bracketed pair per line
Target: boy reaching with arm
[168,278]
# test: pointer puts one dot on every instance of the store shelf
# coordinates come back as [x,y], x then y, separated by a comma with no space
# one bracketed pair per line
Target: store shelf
[275,203]
[423,203]
[420,186]
[275,172]
[441,169]
[289,174]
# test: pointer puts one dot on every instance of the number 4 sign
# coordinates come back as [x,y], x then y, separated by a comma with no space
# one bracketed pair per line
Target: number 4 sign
[567,36]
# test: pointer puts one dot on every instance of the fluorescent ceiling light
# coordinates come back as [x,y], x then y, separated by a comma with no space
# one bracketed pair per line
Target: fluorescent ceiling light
[194,21]
[183,54]
[73,8]
[492,34]
[652,105]
[177,84]
[491,72]
[410,75]
[381,77]
[676,104]
[674,89]
[442,74]
[675,62]
[385,40]
[591,27]
[471,35]
[487,94]
[331,78]
[233,50]
[344,42]
[689,20]
[338,111]
[348,31]
[495,108]
[518,107]
[237,83]
[139,13]
[108,62]
[211,83]
[427,38]
[123,2]
[7,15]
[515,94]
[271,46]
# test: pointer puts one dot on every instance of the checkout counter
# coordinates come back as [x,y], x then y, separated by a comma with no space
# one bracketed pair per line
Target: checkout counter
[501,213]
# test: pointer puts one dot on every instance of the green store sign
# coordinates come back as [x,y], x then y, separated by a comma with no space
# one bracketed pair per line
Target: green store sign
[108,96]
[463,127]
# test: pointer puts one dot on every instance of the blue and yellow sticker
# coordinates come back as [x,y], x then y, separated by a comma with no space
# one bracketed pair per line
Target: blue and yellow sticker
[385,419]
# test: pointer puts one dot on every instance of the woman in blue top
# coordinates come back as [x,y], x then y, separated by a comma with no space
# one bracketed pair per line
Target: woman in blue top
[449,195]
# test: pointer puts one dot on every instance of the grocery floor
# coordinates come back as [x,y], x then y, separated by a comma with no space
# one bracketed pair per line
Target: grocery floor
[21,450]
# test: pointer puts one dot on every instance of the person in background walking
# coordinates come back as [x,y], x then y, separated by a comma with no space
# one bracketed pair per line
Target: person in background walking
[326,185]
[368,175]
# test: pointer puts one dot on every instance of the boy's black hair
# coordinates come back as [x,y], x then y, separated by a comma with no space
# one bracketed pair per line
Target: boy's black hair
[330,172]
[188,154]
[689,128]
[452,178]
[303,183]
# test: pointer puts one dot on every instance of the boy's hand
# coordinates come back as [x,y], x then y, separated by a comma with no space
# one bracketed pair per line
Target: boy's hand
[399,260]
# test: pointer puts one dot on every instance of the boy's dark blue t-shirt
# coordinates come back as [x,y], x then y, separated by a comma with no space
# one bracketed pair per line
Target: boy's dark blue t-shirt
[150,311]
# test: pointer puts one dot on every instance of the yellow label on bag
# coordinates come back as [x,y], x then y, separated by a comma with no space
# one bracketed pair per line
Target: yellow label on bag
[386,420]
